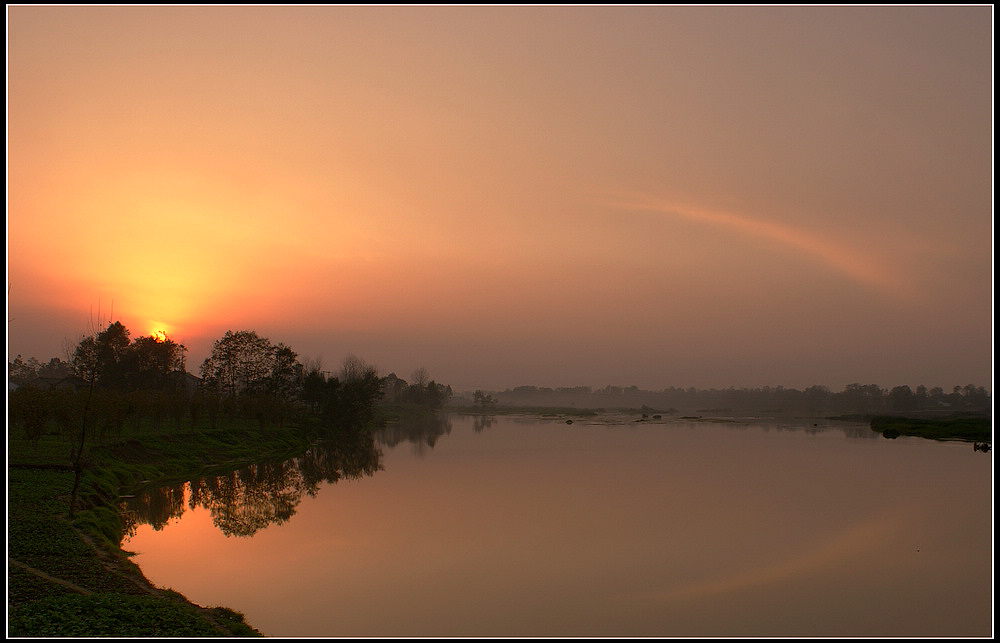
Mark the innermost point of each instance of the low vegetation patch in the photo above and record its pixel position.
(968, 429)
(119, 615)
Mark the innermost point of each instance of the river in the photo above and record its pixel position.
(607, 526)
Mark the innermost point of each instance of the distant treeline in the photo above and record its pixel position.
(855, 399)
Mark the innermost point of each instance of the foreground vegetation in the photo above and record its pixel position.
(67, 576)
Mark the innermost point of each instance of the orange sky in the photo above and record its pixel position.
(557, 196)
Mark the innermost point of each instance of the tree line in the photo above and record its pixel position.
(112, 380)
(855, 398)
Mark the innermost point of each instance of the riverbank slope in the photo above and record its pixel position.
(67, 575)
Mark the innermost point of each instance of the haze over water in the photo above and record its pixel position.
(528, 527)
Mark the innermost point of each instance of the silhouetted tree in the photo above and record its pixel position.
(100, 359)
(153, 363)
(393, 389)
(864, 399)
(425, 391)
(112, 361)
(240, 362)
(902, 399)
(436, 395)
(97, 358)
(483, 401)
(22, 371)
(349, 400)
(419, 377)
(313, 388)
(55, 369)
(286, 373)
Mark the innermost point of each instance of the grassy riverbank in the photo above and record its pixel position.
(67, 576)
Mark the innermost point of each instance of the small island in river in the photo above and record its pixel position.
(967, 429)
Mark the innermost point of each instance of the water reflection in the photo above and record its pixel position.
(608, 527)
(422, 431)
(246, 500)
(482, 422)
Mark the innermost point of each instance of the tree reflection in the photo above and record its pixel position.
(246, 500)
(421, 431)
(154, 507)
(482, 422)
(251, 498)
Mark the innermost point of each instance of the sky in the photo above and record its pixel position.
(647, 196)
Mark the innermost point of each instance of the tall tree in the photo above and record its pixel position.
(241, 362)
(350, 400)
(154, 362)
(96, 360)
(286, 373)
(101, 359)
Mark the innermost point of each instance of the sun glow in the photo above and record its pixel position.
(159, 334)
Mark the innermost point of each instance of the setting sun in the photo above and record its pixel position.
(433, 193)
(159, 335)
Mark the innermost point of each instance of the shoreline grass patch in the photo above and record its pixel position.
(966, 429)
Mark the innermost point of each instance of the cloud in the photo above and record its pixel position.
(850, 261)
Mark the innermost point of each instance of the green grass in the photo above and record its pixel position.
(61, 584)
(120, 615)
(69, 577)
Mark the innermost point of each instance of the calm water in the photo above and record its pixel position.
(606, 527)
